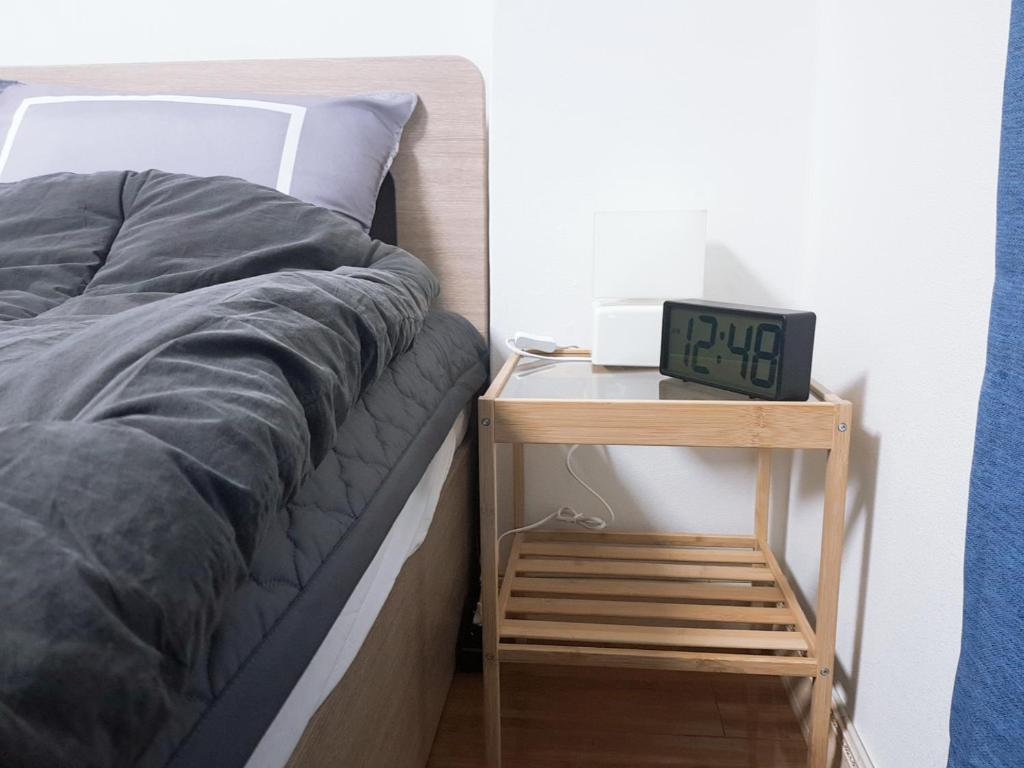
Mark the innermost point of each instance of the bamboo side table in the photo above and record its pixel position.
(663, 601)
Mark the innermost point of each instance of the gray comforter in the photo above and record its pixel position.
(176, 355)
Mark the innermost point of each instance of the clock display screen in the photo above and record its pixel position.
(731, 350)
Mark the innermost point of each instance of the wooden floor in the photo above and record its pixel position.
(562, 717)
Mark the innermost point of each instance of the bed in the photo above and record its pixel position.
(384, 706)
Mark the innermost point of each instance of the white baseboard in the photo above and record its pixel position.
(845, 749)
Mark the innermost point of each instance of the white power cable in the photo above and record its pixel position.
(567, 514)
(595, 494)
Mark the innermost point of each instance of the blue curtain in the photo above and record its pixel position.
(987, 721)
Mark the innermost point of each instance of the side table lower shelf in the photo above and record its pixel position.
(711, 603)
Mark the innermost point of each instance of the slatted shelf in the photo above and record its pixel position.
(709, 602)
(596, 609)
(673, 637)
(640, 570)
(653, 554)
(783, 666)
(640, 590)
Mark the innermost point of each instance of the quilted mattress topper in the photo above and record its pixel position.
(318, 547)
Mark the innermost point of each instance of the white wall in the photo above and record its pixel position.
(76, 32)
(846, 153)
(902, 238)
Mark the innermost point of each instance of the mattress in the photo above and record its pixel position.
(312, 559)
(339, 648)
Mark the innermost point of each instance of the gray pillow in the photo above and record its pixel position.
(330, 152)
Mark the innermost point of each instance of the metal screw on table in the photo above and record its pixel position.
(485, 422)
(825, 671)
(842, 427)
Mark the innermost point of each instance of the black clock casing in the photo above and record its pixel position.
(756, 351)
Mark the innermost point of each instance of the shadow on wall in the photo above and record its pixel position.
(860, 513)
(727, 278)
(864, 451)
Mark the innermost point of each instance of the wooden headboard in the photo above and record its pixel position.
(440, 172)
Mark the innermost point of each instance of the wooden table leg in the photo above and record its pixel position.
(836, 471)
(764, 490)
(489, 584)
(518, 486)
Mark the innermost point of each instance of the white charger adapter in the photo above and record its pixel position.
(533, 342)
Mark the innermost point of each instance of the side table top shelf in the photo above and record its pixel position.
(576, 402)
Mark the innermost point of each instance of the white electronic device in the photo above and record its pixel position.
(627, 333)
(534, 342)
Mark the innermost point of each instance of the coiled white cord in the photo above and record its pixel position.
(566, 514)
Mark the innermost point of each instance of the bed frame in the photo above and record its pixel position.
(385, 710)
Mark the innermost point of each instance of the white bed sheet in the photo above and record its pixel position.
(346, 636)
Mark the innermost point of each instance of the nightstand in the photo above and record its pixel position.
(666, 601)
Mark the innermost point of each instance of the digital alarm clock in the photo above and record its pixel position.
(756, 351)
